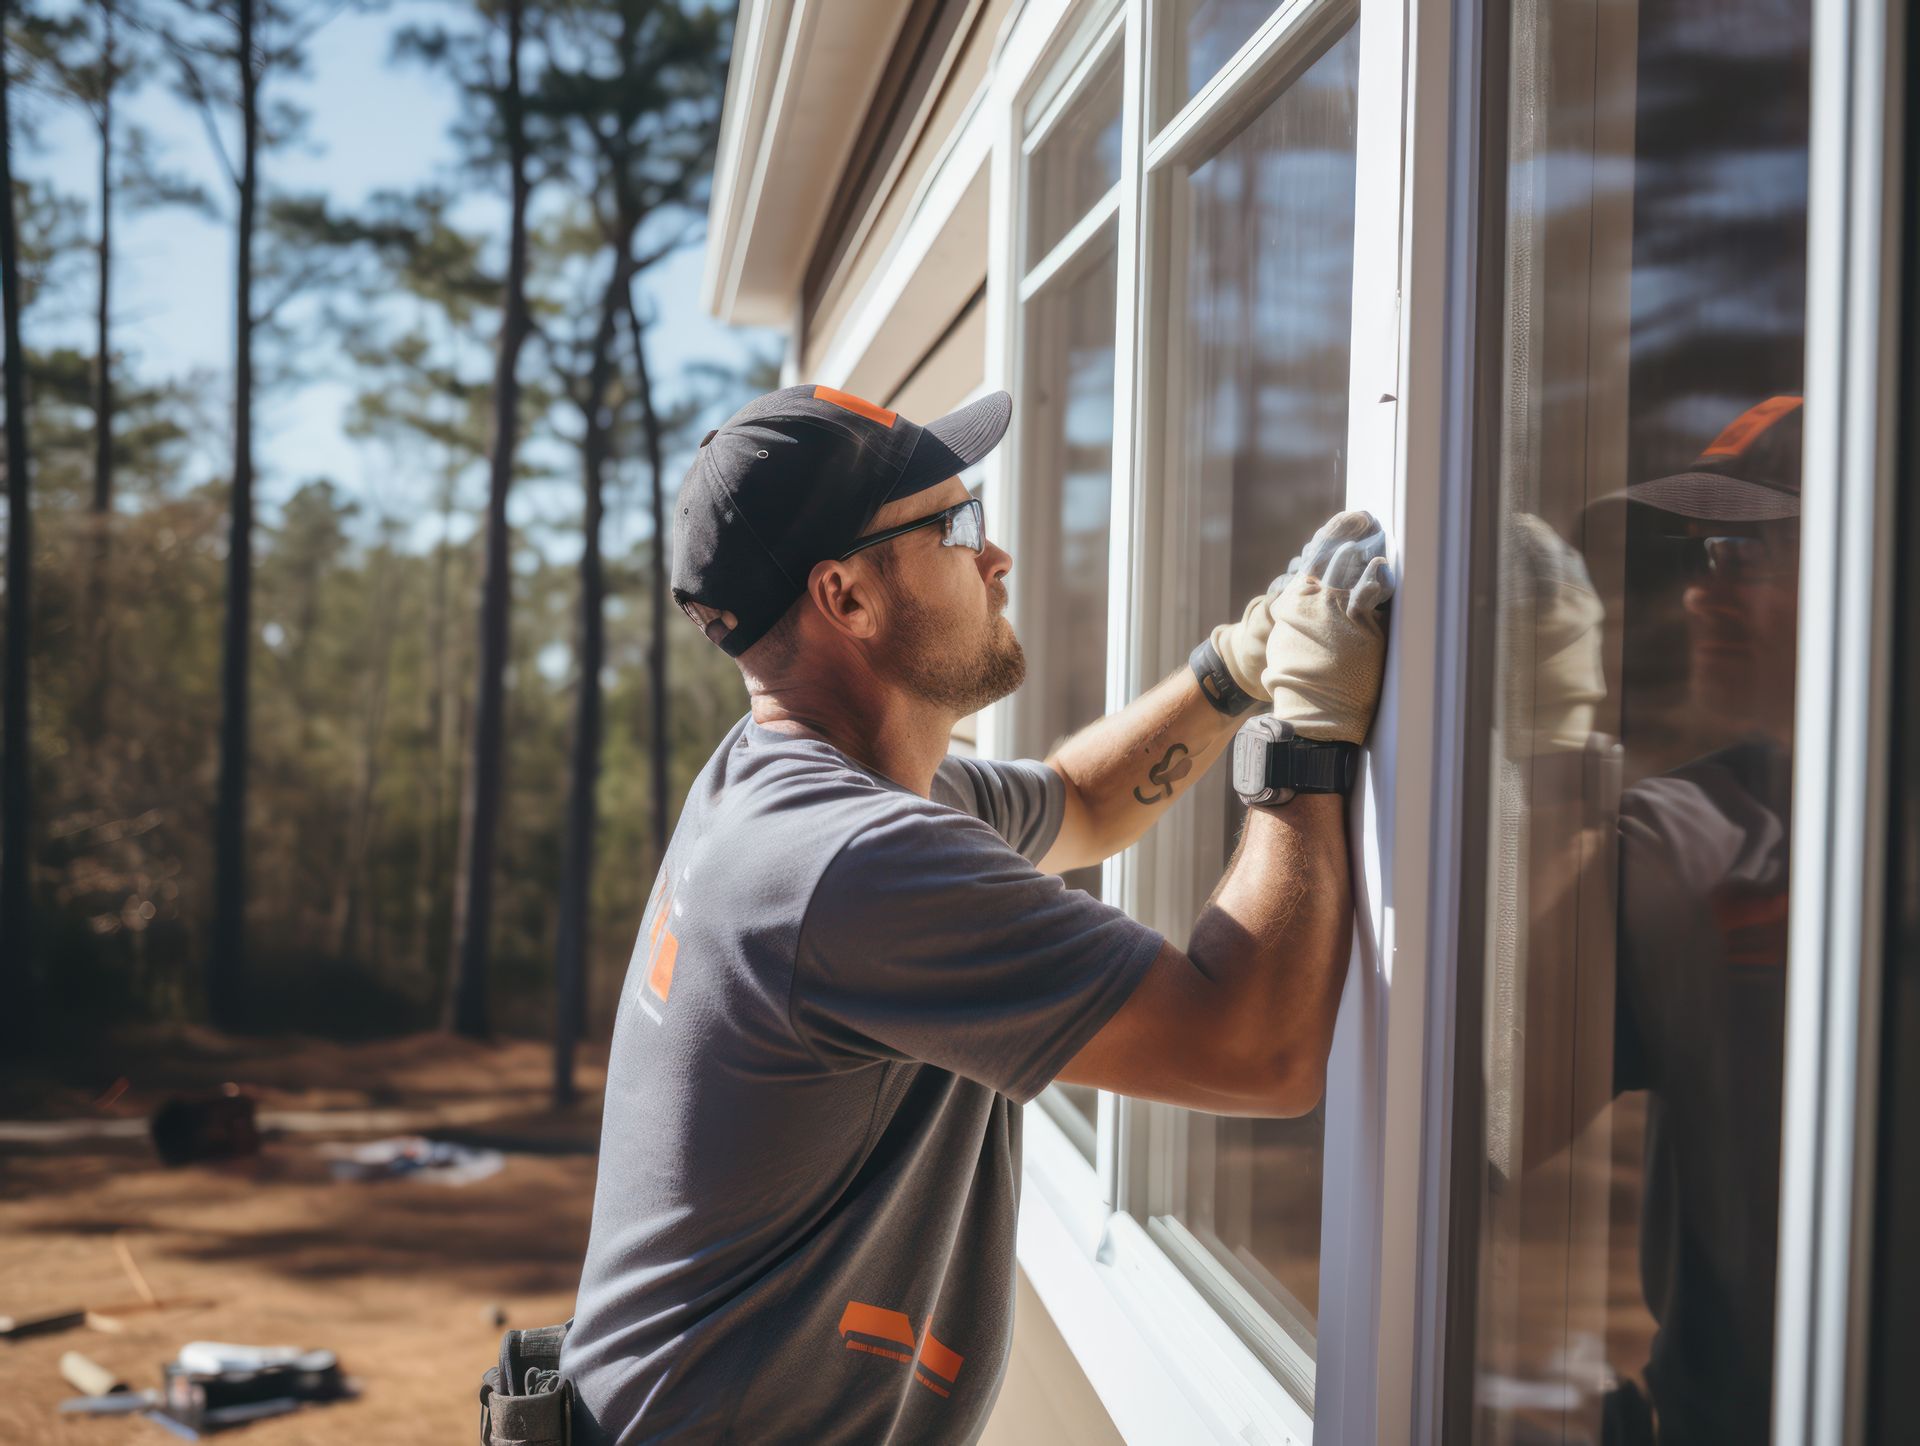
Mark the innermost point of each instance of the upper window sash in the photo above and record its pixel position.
(1289, 40)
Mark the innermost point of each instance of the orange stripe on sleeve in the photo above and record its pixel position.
(872, 1320)
(941, 1360)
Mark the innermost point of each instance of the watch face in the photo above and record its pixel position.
(1249, 762)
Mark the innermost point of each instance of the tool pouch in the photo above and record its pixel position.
(524, 1401)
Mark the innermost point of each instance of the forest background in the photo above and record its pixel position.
(340, 697)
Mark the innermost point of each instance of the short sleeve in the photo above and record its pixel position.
(928, 938)
(1022, 800)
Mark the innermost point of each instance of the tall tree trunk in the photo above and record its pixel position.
(350, 901)
(98, 612)
(230, 816)
(16, 901)
(438, 720)
(576, 877)
(473, 895)
(657, 648)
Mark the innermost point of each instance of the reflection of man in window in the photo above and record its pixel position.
(1711, 578)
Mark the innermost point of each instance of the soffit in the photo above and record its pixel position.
(802, 76)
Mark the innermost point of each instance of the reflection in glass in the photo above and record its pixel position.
(1635, 939)
(1205, 34)
(1078, 162)
(1069, 472)
(1266, 300)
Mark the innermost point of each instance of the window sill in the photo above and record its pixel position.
(1165, 1365)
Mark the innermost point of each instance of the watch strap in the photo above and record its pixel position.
(1216, 683)
(1310, 766)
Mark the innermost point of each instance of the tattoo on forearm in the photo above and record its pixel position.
(1167, 772)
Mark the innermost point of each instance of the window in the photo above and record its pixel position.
(1200, 37)
(1067, 378)
(1632, 963)
(1258, 274)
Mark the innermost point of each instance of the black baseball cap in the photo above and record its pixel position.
(792, 479)
(1749, 473)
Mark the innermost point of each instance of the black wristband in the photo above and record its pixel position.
(1216, 683)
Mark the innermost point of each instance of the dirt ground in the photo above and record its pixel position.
(401, 1278)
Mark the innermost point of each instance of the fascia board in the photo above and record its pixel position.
(758, 38)
(804, 73)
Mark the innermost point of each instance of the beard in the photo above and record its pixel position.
(953, 663)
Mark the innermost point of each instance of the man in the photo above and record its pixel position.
(1701, 1013)
(1709, 612)
(859, 960)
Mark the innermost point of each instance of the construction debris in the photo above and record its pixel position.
(14, 1327)
(187, 1130)
(119, 1403)
(89, 1377)
(211, 1383)
(439, 1161)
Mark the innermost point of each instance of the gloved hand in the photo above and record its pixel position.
(1328, 645)
(1554, 677)
(1242, 646)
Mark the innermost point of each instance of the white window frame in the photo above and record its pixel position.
(1166, 1363)
(1836, 951)
(1083, 38)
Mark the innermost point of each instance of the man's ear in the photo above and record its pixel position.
(847, 596)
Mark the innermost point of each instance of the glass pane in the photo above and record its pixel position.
(1263, 313)
(1062, 567)
(1078, 162)
(1634, 958)
(1204, 35)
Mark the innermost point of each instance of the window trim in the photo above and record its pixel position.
(1837, 894)
(1081, 43)
(1166, 895)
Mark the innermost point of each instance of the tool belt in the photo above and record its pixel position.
(525, 1401)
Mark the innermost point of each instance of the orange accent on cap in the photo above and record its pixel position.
(872, 1320)
(1749, 424)
(856, 405)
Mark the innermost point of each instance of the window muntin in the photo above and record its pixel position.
(1633, 964)
(1201, 37)
(1260, 240)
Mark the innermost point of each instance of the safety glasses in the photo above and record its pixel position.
(965, 525)
(1770, 556)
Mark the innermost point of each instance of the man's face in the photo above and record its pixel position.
(1741, 612)
(947, 639)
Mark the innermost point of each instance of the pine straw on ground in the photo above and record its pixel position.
(401, 1278)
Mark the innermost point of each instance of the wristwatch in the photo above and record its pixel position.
(1271, 763)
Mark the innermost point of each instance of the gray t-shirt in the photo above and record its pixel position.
(809, 1181)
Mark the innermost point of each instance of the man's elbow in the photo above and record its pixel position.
(1297, 1085)
(1276, 1078)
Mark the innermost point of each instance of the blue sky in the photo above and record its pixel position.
(372, 126)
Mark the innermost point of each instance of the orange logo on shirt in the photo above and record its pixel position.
(666, 948)
(882, 1332)
(661, 946)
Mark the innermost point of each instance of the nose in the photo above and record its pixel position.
(995, 562)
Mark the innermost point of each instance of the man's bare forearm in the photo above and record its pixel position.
(1128, 767)
(1275, 937)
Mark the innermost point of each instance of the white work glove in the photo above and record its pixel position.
(1554, 675)
(1328, 646)
(1242, 646)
